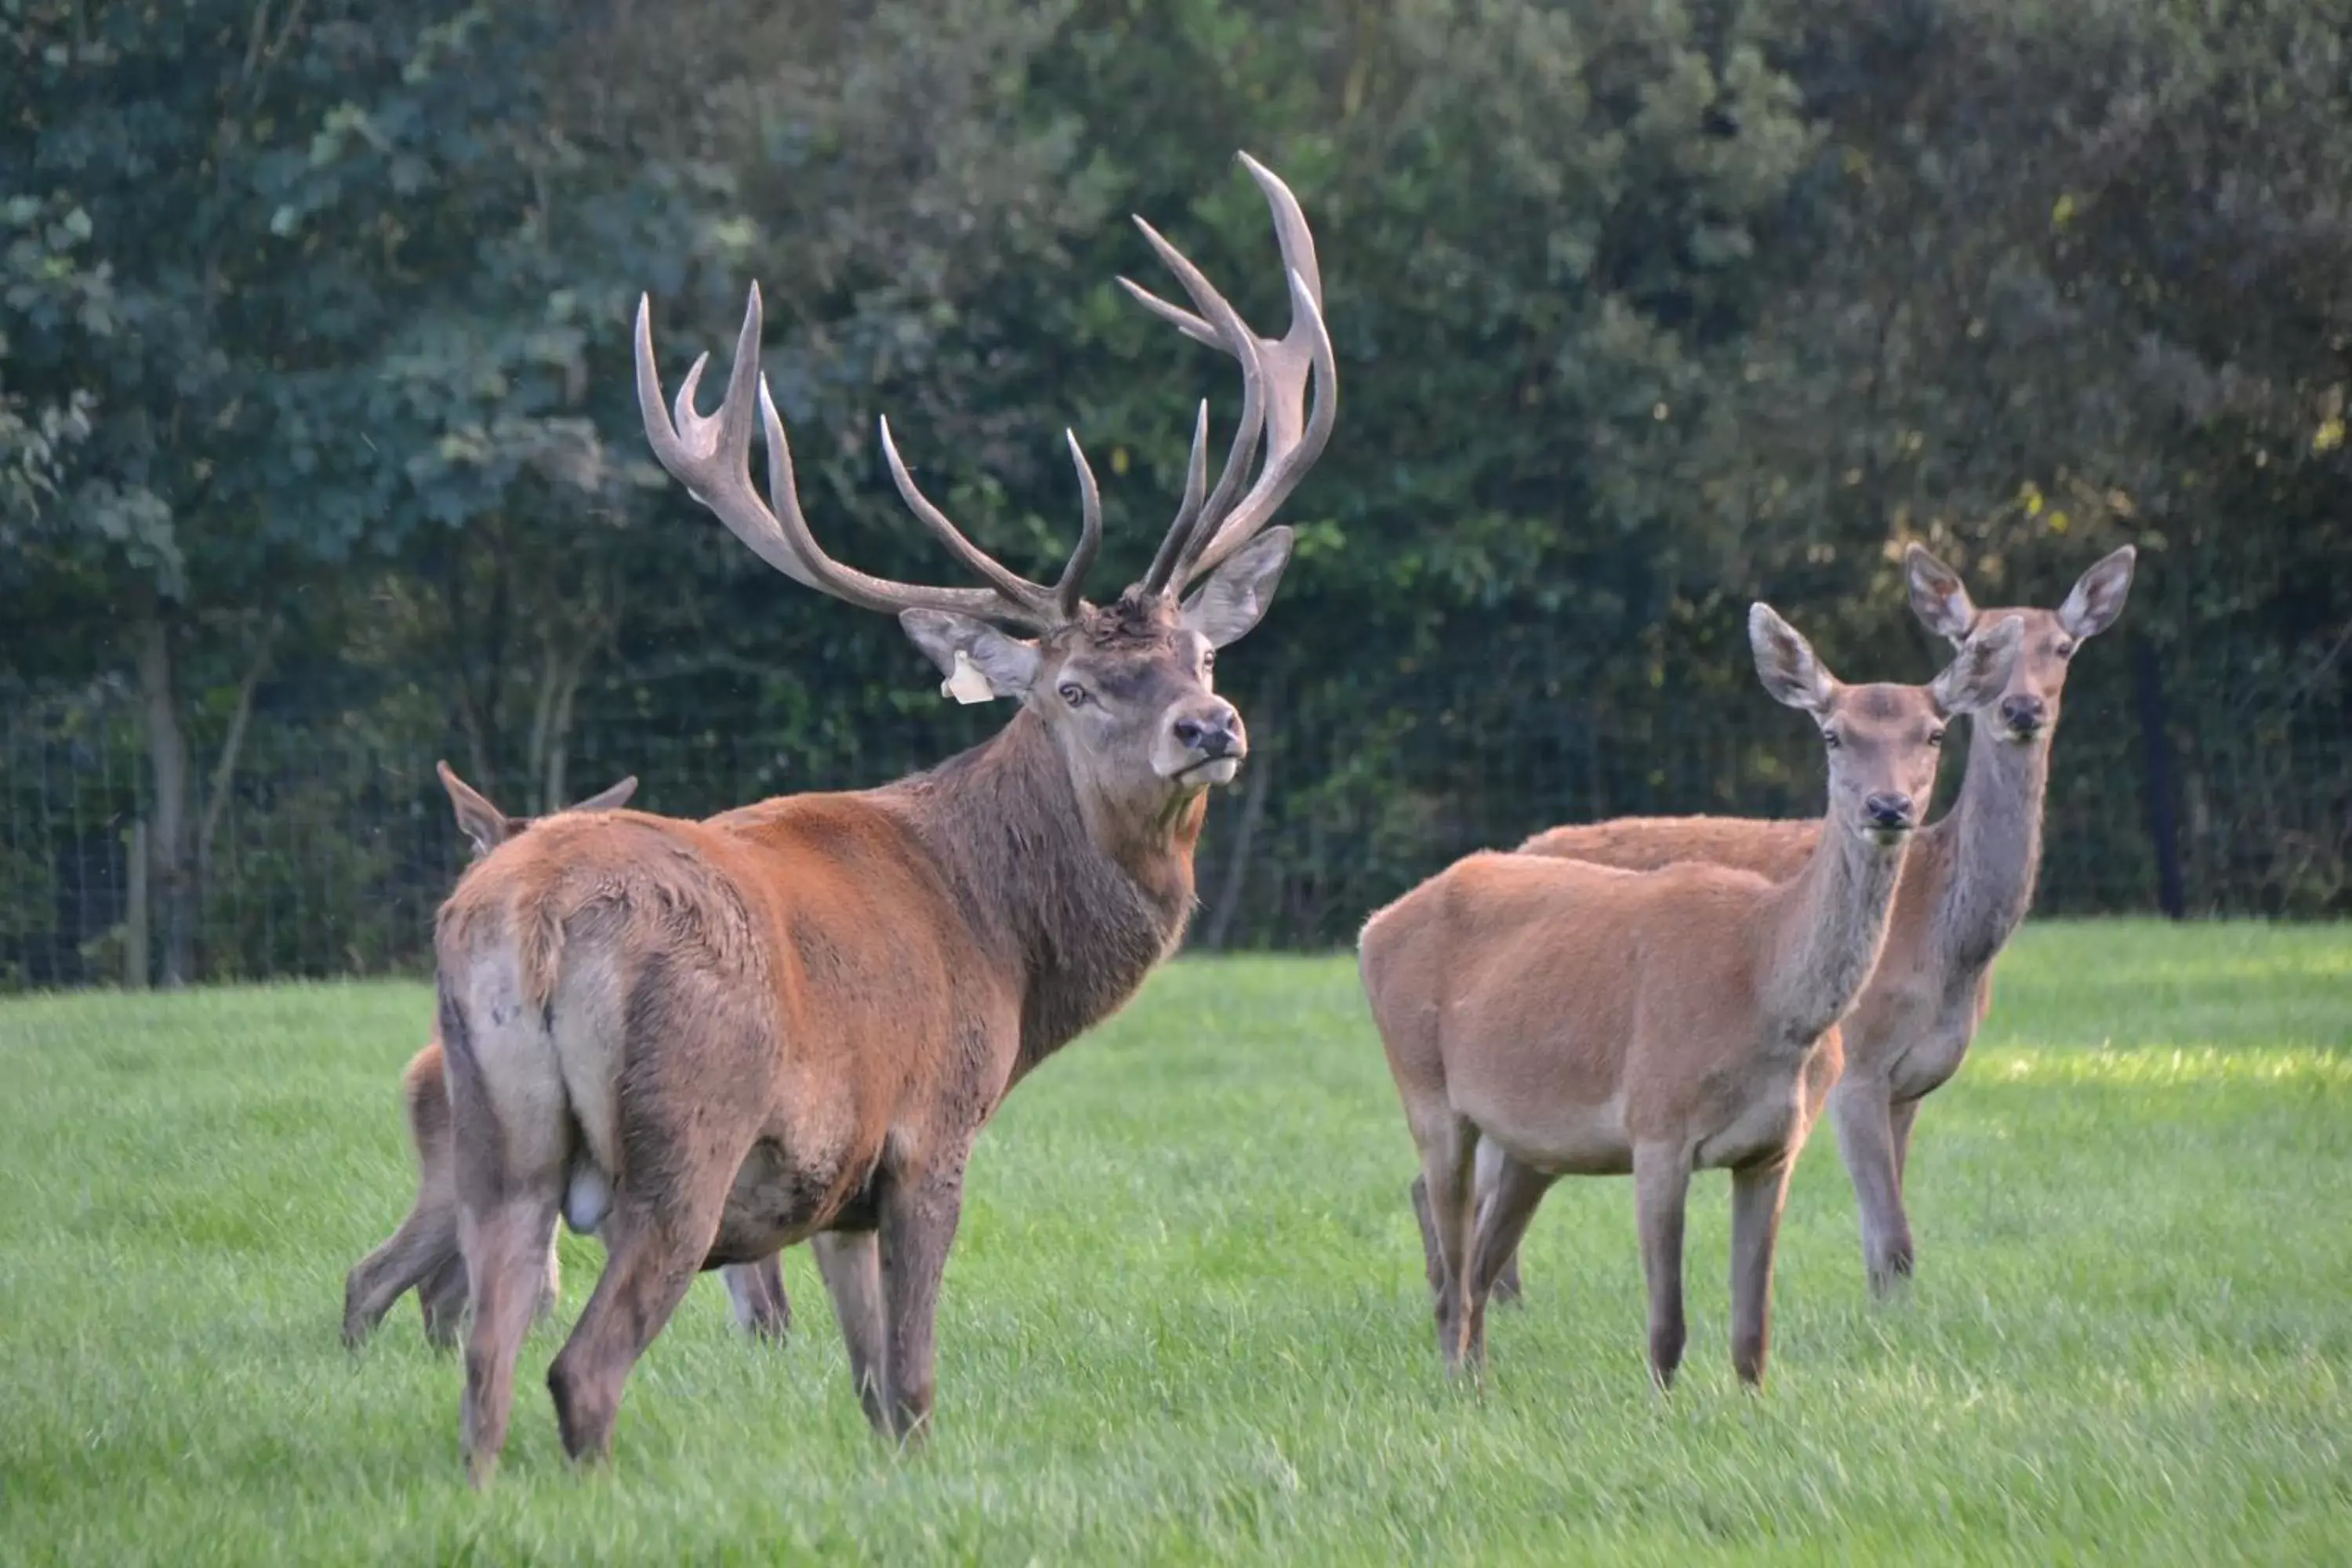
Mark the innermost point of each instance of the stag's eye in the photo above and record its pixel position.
(2065, 649)
(1074, 694)
(1935, 737)
(1829, 739)
(1208, 659)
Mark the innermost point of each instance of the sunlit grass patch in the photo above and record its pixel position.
(1184, 1320)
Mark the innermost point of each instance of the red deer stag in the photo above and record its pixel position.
(1588, 1021)
(1965, 891)
(709, 1040)
(421, 1254)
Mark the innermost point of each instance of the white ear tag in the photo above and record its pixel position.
(967, 685)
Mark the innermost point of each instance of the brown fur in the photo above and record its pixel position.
(423, 1253)
(1585, 1020)
(1966, 887)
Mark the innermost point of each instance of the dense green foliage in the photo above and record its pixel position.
(316, 431)
(1185, 1322)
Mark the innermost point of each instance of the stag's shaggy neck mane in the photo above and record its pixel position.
(1826, 928)
(1989, 846)
(1081, 905)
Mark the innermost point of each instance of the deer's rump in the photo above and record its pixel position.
(598, 977)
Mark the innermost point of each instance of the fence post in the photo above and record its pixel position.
(134, 912)
(2163, 811)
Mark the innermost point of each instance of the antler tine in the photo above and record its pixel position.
(1005, 580)
(1292, 452)
(1295, 435)
(712, 456)
(1069, 589)
(1232, 334)
(1196, 491)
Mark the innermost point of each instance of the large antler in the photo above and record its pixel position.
(1209, 529)
(712, 456)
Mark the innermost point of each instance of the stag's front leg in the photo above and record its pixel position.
(1661, 1174)
(919, 1213)
(757, 1293)
(851, 1263)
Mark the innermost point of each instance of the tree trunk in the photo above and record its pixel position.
(225, 765)
(169, 882)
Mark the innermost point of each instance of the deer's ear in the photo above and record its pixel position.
(1786, 662)
(1938, 597)
(609, 799)
(478, 819)
(1975, 679)
(1008, 665)
(2098, 595)
(1236, 595)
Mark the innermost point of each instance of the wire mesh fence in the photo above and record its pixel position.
(332, 843)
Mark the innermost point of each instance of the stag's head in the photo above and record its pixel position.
(1125, 688)
(2028, 710)
(1883, 741)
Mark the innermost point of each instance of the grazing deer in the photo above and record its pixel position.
(1588, 1021)
(1965, 891)
(423, 1255)
(704, 1041)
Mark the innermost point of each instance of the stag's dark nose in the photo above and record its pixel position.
(2023, 714)
(1888, 811)
(1216, 733)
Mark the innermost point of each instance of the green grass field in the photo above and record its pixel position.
(1185, 1318)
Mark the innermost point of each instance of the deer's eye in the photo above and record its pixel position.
(1935, 737)
(1074, 694)
(2065, 649)
(1829, 739)
(1208, 659)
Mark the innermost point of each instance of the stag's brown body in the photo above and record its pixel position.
(1583, 1020)
(705, 1040)
(423, 1254)
(1965, 889)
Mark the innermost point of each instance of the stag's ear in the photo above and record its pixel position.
(1937, 596)
(1786, 662)
(1237, 593)
(1006, 664)
(1975, 679)
(610, 799)
(478, 819)
(2098, 595)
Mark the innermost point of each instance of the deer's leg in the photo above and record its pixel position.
(1900, 1118)
(550, 1290)
(1506, 1286)
(502, 1239)
(442, 1297)
(1448, 1150)
(655, 1243)
(757, 1291)
(1862, 1110)
(1432, 1262)
(1507, 1206)
(920, 1211)
(1662, 1174)
(426, 1243)
(1758, 1193)
(851, 1263)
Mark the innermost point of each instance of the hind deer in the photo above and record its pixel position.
(1965, 891)
(421, 1254)
(1583, 1020)
(704, 1041)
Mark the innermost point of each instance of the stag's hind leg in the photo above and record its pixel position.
(1449, 1145)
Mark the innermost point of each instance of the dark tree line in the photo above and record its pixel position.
(317, 437)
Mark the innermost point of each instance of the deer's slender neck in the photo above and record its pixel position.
(1081, 905)
(1829, 922)
(1992, 847)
